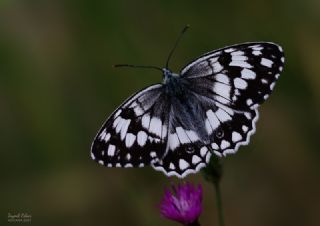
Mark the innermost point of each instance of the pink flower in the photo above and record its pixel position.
(183, 204)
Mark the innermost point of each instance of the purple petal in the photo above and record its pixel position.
(184, 205)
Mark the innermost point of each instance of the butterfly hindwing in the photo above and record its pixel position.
(186, 150)
(217, 129)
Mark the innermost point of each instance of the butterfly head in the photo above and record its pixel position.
(168, 75)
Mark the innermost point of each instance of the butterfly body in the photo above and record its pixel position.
(210, 107)
(172, 84)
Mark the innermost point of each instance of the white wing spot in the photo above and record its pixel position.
(208, 157)
(213, 120)
(229, 50)
(222, 89)
(222, 115)
(257, 47)
(236, 136)
(264, 81)
(265, 96)
(240, 64)
(217, 67)
(173, 141)
(116, 121)
(255, 106)
(272, 85)
(120, 124)
(111, 150)
(107, 137)
(240, 83)
(117, 113)
(103, 134)
(239, 58)
(133, 104)
(155, 126)
(208, 126)
(171, 166)
(237, 53)
(130, 138)
(256, 52)
(142, 138)
(195, 159)
(222, 78)
(138, 110)
(213, 60)
(248, 74)
(92, 156)
(248, 115)
(203, 151)
(183, 164)
(266, 62)
(192, 135)
(164, 131)
(146, 121)
(182, 135)
(249, 102)
(128, 165)
(101, 162)
(225, 108)
(222, 100)
(214, 146)
(224, 144)
(124, 129)
(245, 128)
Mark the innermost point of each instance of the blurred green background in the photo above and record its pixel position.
(57, 86)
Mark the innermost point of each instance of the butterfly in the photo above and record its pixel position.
(209, 107)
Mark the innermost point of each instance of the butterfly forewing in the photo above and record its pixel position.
(241, 76)
(134, 135)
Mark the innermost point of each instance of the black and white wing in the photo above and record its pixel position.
(217, 113)
(242, 75)
(225, 88)
(135, 134)
(237, 79)
(187, 146)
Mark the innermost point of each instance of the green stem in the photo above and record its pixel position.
(219, 203)
(213, 173)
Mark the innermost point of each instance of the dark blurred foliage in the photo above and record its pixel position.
(57, 86)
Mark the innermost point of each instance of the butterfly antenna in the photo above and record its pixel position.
(176, 44)
(137, 66)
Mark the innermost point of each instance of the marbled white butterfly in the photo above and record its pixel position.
(210, 107)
